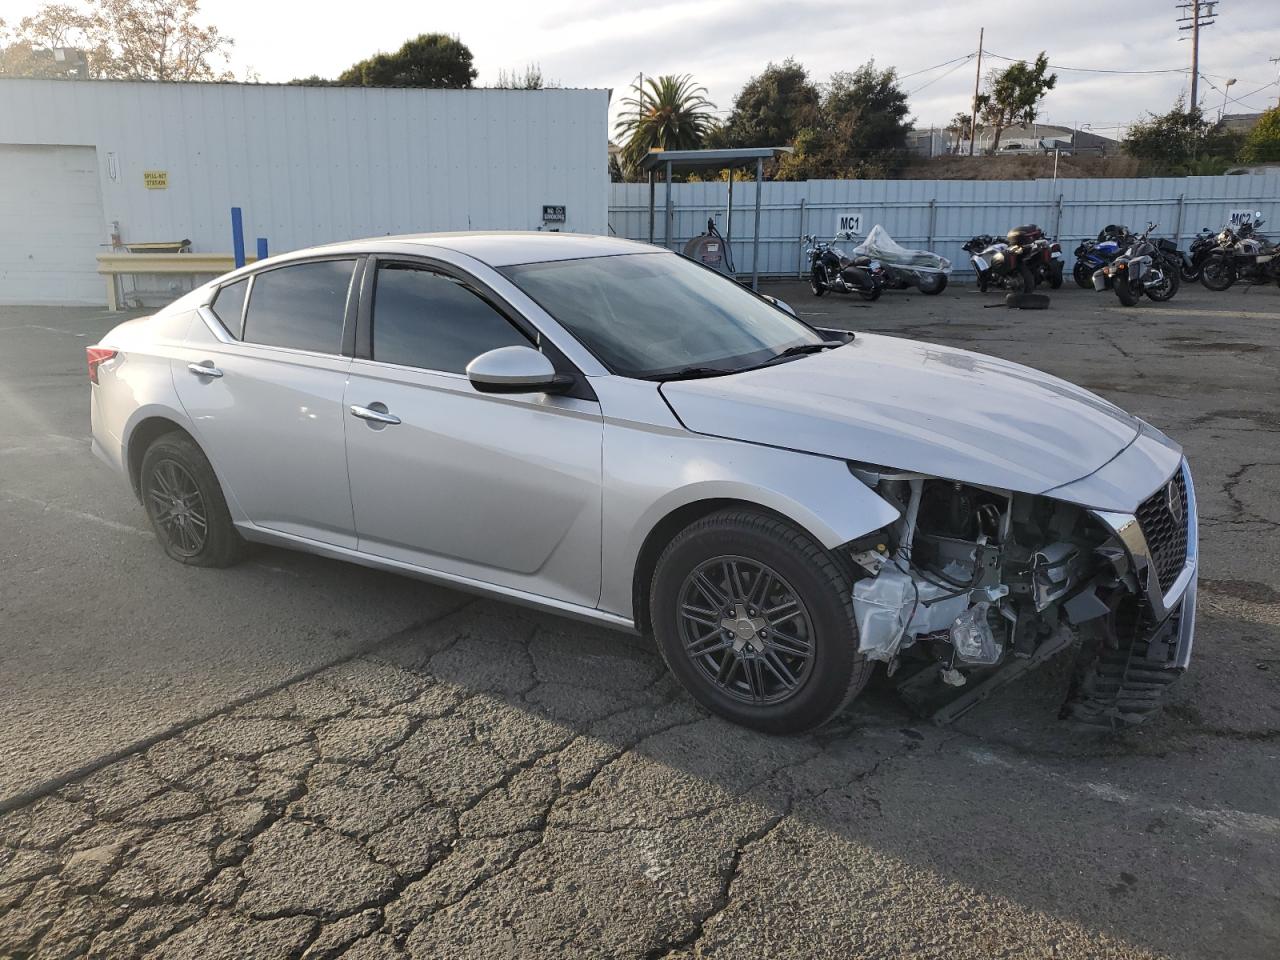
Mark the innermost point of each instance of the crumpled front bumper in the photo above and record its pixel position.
(1179, 601)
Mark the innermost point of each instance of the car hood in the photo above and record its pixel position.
(915, 406)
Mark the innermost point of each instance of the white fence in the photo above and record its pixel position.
(939, 215)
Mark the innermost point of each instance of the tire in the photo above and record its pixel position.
(1188, 273)
(982, 283)
(873, 294)
(933, 284)
(1055, 276)
(175, 465)
(1218, 273)
(1027, 301)
(1082, 275)
(1023, 280)
(1169, 289)
(816, 285)
(690, 597)
(1124, 291)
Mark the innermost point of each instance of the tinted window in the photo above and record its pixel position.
(300, 306)
(228, 305)
(425, 319)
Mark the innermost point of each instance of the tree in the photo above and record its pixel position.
(961, 129)
(860, 131)
(121, 40)
(1181, 143)
(1262, 145)
(667, 113)
(528, 79)
(427, 60)
(771, 108)
(1013, 94)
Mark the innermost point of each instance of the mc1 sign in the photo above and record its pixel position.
(850, 221)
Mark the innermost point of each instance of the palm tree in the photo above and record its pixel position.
(667, 113)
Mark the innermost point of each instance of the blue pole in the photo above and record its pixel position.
(237, 236)
(262, 248)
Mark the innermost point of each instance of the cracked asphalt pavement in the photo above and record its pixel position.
(300, 758)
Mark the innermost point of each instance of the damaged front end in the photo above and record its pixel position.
(974, 586)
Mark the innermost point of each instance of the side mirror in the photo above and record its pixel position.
(780, 304)
(515, 370)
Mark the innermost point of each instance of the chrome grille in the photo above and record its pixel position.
(1163, 518)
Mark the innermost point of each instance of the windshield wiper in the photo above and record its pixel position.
(693, 373)
(803, 348)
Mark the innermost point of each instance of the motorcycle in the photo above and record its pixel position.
(1042, 255)
(904, 268)
(1243, 255)
(830, 270)
(999, 264)
(1145, 267)
(1093, 255)
(1204, 243)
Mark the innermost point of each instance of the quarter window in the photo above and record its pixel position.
(302, 306)
(426, 319)
(228, 306)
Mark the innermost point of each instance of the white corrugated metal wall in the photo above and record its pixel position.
(937, 214)
(315, 164)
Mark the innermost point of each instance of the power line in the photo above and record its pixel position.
(941, 76)
(1058, 66)
(967, 56)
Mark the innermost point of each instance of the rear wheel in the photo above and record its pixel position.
(1218, 273)
(1055, 275)
(755, 620)
(871, 294)
(185, 504)
(1124, 290)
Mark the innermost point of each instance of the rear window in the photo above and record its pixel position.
(301, 306)
(228, 306)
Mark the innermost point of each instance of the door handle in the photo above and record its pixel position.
(206, 369)
(373, 414)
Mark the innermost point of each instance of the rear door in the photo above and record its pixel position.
(503, 489)
(263, 386)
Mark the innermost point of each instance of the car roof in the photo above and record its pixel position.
(500, 248)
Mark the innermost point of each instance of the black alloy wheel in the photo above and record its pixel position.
(185, 505)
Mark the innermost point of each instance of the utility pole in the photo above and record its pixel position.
(1197, 14)
(977, 80)
(1276, 61)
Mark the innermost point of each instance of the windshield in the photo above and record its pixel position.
(653, 315)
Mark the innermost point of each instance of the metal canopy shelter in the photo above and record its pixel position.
(687, 161)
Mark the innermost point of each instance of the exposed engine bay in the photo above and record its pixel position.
(973, 586)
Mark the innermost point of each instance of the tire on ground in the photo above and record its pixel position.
(223, 544)
(1027, 301)
(839, 671)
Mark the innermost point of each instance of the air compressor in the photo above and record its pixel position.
(711, 250)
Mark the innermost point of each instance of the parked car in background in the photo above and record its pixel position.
(613, 432)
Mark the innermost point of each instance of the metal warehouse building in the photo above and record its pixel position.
(153, 162)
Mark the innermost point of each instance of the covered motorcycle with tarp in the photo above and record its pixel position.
(903, 267)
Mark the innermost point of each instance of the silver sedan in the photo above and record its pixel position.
(613, 432)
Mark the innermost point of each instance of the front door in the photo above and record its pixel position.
(500, 489)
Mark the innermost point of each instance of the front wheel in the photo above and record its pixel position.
(1055, 275)
(755, 620)
(933, 284)
(1167, 288)
(1218, 273)
(185, 504)
(1022, 280)
(1188, 272)
(873, 293)
(1082, 273)
(1124, 290)
(816, 284)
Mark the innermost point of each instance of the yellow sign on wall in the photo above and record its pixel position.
(156, 179)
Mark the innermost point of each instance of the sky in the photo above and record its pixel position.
(722, 43)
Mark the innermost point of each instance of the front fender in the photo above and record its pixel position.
(649, 473)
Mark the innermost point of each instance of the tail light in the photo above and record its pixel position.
(97, 356)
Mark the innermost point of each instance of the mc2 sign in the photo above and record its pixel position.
(849, 221)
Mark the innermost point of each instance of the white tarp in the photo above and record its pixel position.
(884, 248)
